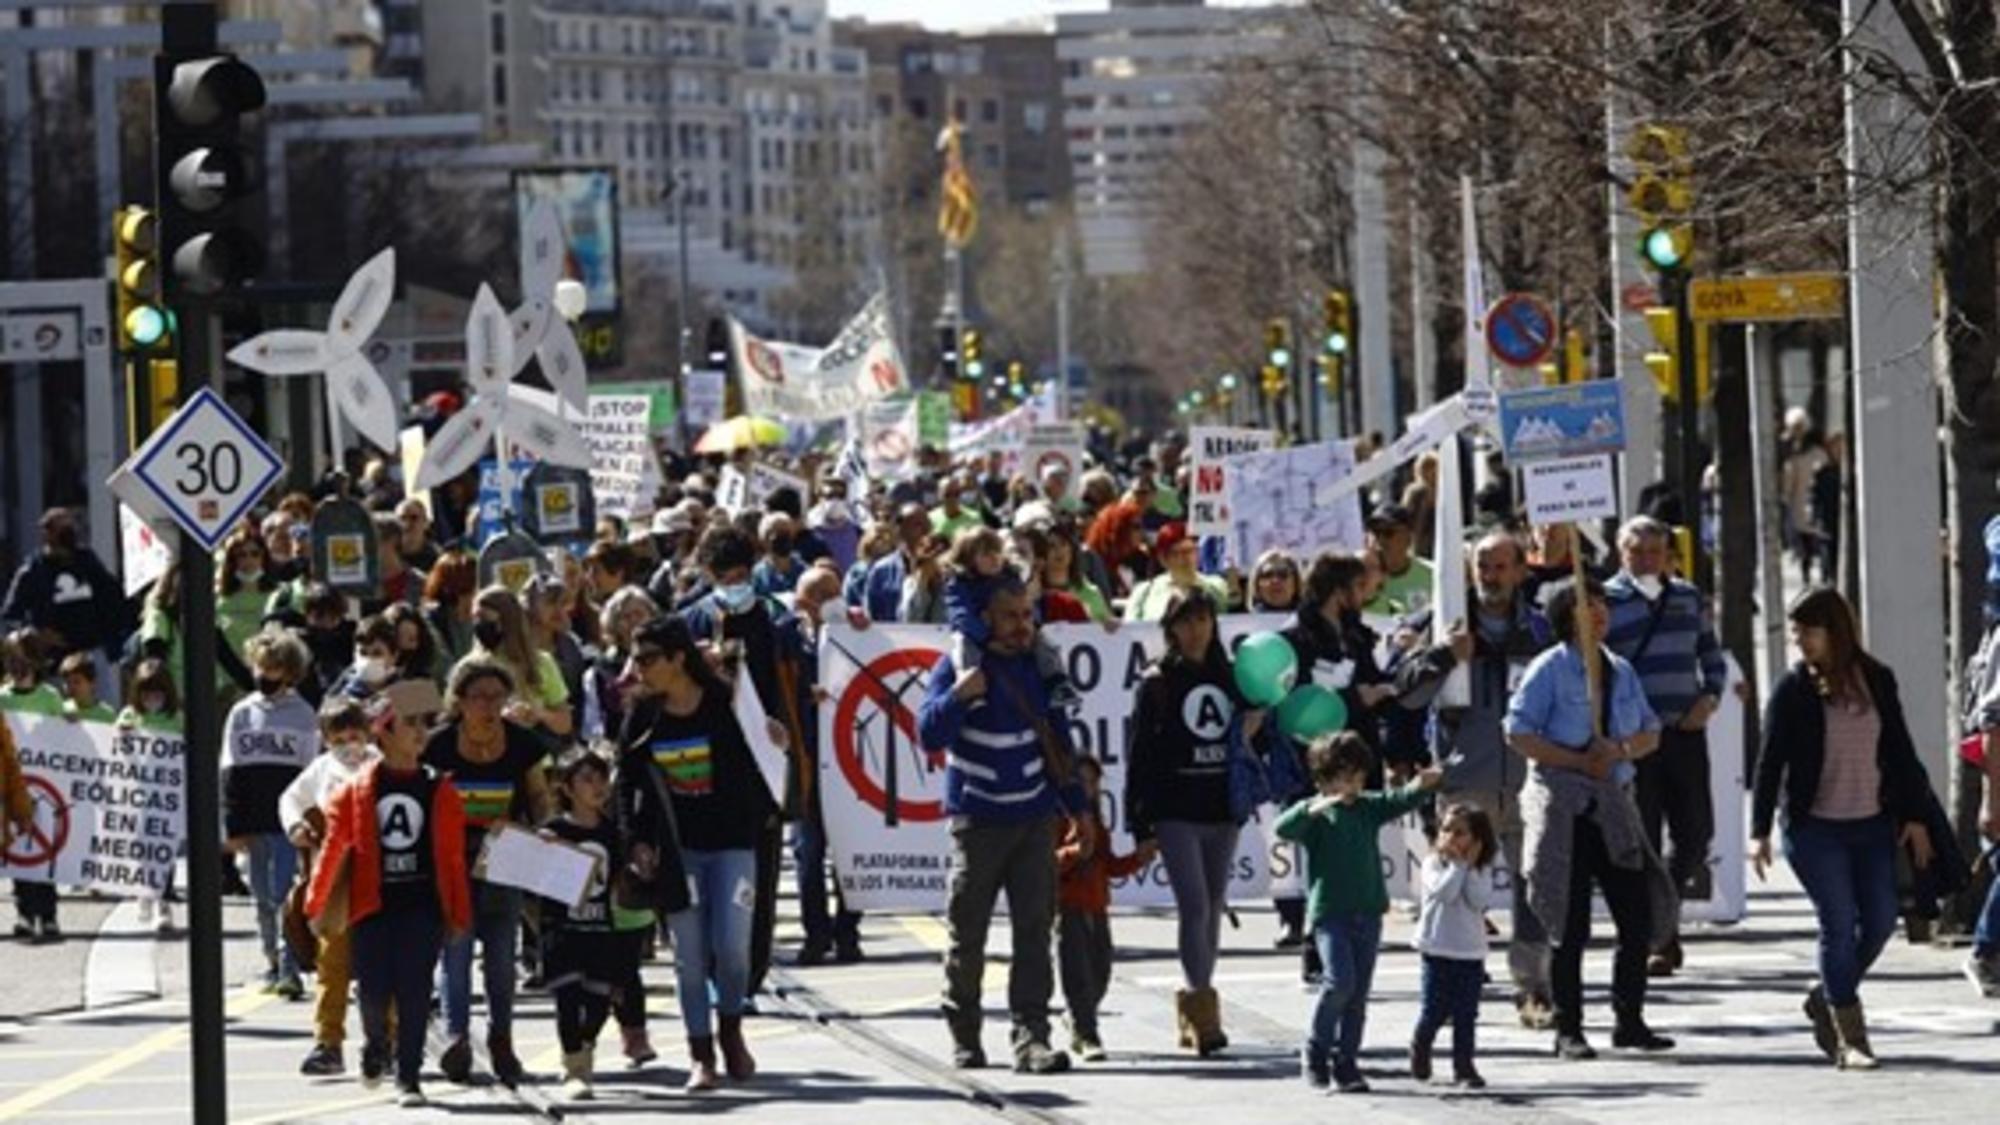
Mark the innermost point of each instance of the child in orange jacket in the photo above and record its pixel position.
(395, 848)
(1083, 924)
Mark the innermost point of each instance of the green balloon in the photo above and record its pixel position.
(1266, 668)
(1310, 711)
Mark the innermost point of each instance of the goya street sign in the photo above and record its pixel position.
(1521, 330)
(1782, 296)
(205, 468)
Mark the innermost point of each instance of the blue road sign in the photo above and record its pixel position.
(1521, 330)
(1568, 421)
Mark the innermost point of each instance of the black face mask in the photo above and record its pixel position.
(487, 633)
(781, 544)
(270, 685)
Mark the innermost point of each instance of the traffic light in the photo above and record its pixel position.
(1017, 379)
(1662, 196)
(1665, 364)
(1339, 316)
(716, 344)
(1277, 343)
(1576, 357)
(143, 324)
(206, 246)
(1273, 380)
(948, 351)
(970, 349)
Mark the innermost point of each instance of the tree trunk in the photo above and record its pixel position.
(1735, 561)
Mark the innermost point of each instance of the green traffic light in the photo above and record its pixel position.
(1661, 249)
(1281, 357)
(145, 325)
(974, 369)
(1336, 343)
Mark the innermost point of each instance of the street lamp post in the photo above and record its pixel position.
(676, 195)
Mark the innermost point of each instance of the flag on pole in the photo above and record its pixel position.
(958, 200)
(1478, 365)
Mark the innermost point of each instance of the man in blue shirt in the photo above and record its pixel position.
(1008, 788)
(883, 588)
(1657, 624)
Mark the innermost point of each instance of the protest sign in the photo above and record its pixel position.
(933, 418)
(410, 444)
(1003, 435)
(1209, 448)
(624, 473)
(890, 435)
(108, 805)
(144, 553)
(706, 393)
(732, 491)
(799, 383)
(765, 480)
(492, 515)
(513, 856)
(872, 762)
(1053, 444)
(751, 716)
(1570, 489)
(1282, 499)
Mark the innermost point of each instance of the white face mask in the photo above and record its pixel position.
(373, 669)
(1648, 585)
(350, 753)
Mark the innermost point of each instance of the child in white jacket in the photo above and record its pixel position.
(1451, 935)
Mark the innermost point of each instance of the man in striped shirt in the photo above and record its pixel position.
(1008, 790)
(1658, 624)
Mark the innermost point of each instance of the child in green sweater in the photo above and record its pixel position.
(1346, 897)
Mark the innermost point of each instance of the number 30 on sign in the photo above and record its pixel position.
(205, 468)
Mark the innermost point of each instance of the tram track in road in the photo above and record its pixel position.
(851, 1030)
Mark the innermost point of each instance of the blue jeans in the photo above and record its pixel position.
(496, 926)
(1347, 944)
(1849, 871)
(1986, 936)
(274, 863)
(1450, 992)
(712, 937)
(843, 928)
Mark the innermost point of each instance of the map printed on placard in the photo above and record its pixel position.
(355, 390)
(1286, 499)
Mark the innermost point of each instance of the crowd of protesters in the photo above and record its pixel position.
(373, 745)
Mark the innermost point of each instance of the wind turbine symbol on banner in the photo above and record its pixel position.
(355, 390)
(540, 330)
(494, 414)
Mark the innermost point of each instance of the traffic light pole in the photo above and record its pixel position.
(1674, 288)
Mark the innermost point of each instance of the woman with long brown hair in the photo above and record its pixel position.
(1838, 753)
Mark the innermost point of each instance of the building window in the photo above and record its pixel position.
(590, 33)
(919, 108)
(499, 85)
(1035, 117)
(631, 141)
(989, 111)
(958, 109)
(989, 155)
(596, 83)
(597, 138)
(499, 33)
(722, 147)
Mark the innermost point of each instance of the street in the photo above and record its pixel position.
(866, 1039)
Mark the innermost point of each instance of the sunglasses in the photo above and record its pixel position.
(647, 657)
(485, 696)
(1273, 575)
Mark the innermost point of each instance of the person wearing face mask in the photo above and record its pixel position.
(65, 592)
(302, 810)
(836, 523)
(747, 629)
(243, 585)
(374, 666)
(329, 640)
(836, 933)
(777, 573)
(1659, 625)
(269, 738)
(957, 510)
(548, 605)
(500, 632)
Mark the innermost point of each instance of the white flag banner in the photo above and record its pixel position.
(797, 383)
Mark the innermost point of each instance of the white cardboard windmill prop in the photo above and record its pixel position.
(539, 329)
(494, 415)
(354, 389)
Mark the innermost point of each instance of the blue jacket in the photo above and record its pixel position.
(882, 590)
(994, 768)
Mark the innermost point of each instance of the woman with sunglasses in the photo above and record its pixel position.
(1274, 583)
(496, 767)
(688, 786)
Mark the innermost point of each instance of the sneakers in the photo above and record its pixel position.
(24, 930)
(456, 1062)
(1984, 973)
(812, 954)
(965, 1057)
(374, 1064)
(1535, 1011)
(1466, 1078)
(848, 953)
(1289, 938)
(49, 933)
(1420, 1061)
(410, 1096)
(1036, 1057)
(290, 987)
(1347, 1079)
(1087, 1047)
(506, 1067)
(1574, 1048)
(323, 1062)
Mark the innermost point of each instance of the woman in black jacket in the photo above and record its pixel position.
(1177, 794)
(1838, 752)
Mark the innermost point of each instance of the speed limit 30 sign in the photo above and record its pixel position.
(206, 468)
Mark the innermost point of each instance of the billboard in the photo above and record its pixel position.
(586, 200)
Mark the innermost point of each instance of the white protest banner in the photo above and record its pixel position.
(799, 383)
(1003, 435)
(624, 474)
(751, 716)
(1053, 443)
(410, 444)
(706, 392)
(1570, 489)
(144, 554)
(1208, 499)
(872, 761)
(732, 492)
(765, 480)
(1283, 499)
(890, 435)
(108, 805)
(513, 856)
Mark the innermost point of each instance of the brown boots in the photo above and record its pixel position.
(1852, 1027)
(736, 1058)
(701, 1064)
(1198, 1013)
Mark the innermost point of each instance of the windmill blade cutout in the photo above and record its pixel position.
(354, 389)
(459, 443)
(538, 330)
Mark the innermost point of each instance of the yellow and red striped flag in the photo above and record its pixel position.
(958, 200)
